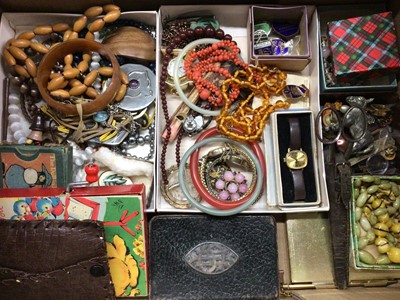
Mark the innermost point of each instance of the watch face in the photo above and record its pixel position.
(296, 159)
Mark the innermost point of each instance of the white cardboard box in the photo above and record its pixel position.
(14, 23)
(234, 20)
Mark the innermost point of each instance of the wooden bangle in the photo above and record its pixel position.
(58, 53)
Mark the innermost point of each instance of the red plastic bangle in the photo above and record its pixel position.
(198, 184)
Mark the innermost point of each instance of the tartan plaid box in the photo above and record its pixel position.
(363, 47)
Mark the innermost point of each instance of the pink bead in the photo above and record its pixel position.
(224, 195)
(220, 184)
(239, 177)
(232, 188)
(243, 188)
(235, 196)
(228, 176)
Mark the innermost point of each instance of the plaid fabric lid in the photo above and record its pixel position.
(364, 44)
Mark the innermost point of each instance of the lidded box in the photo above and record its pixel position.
(364, 47)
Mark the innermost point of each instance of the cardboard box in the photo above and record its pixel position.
(121, 209)
(385, 82)
(310, 172)
(364, 47)
(297, 15)
(233, 20)
(14, 23)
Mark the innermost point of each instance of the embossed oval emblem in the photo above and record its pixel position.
(211, 258)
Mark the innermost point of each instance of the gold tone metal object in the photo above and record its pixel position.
(296, 159)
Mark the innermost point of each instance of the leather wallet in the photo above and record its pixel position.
(53, 259)
(204, 257)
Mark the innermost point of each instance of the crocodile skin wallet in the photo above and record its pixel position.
(204, 257)
(52, 259)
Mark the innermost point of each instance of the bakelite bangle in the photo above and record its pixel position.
(198, 184)
(215, 211)
(178, 88)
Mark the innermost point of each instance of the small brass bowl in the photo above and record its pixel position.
(57, 53)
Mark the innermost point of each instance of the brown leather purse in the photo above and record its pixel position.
(53, 259)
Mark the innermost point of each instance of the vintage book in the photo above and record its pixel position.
(120, 208)
(25, 166)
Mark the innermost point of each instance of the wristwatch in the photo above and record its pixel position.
(296, 159)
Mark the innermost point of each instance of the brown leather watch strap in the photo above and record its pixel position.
(298, 185)
(295, 133)
(295, 144)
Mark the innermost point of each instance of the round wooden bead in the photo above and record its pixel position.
(71, 73)
(90, 78)
(121, 93)
(66, 35)
(110, 7)
(106, 71)
(91, 92)
(73, 35)
(78, 90)
(83, 66)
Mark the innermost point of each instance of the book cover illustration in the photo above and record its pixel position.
(125, 237)
(124, 227)
(31, 166)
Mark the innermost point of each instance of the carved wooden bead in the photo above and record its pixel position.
(55, 84)
(17, 53)
(112, 16)
(43, 29)
(74, 82)
(124, 77)
(90, 78)
(91, 92)
(21, 43)
(27, 35)
(74, 35)
(78, 90)
(22, 71)
(66, 35)
(54, 75)
(67, 67)
(60, 93)
(83, 66)
(60, 27)
(71, 73)
(86, 57)
(68, 59)
(80, 24)
(93, 11)
(121, 93)
(10, 60)
(106, 71)
(38, 47)
(31, 67)
(89, 36)
(97, 25)
(110, 7)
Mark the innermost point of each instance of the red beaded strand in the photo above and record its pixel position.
(179, 41)
(206, 60)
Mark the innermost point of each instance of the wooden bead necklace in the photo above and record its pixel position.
(204, 61)
(250, 122)
(183, 38)
(15, 54)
